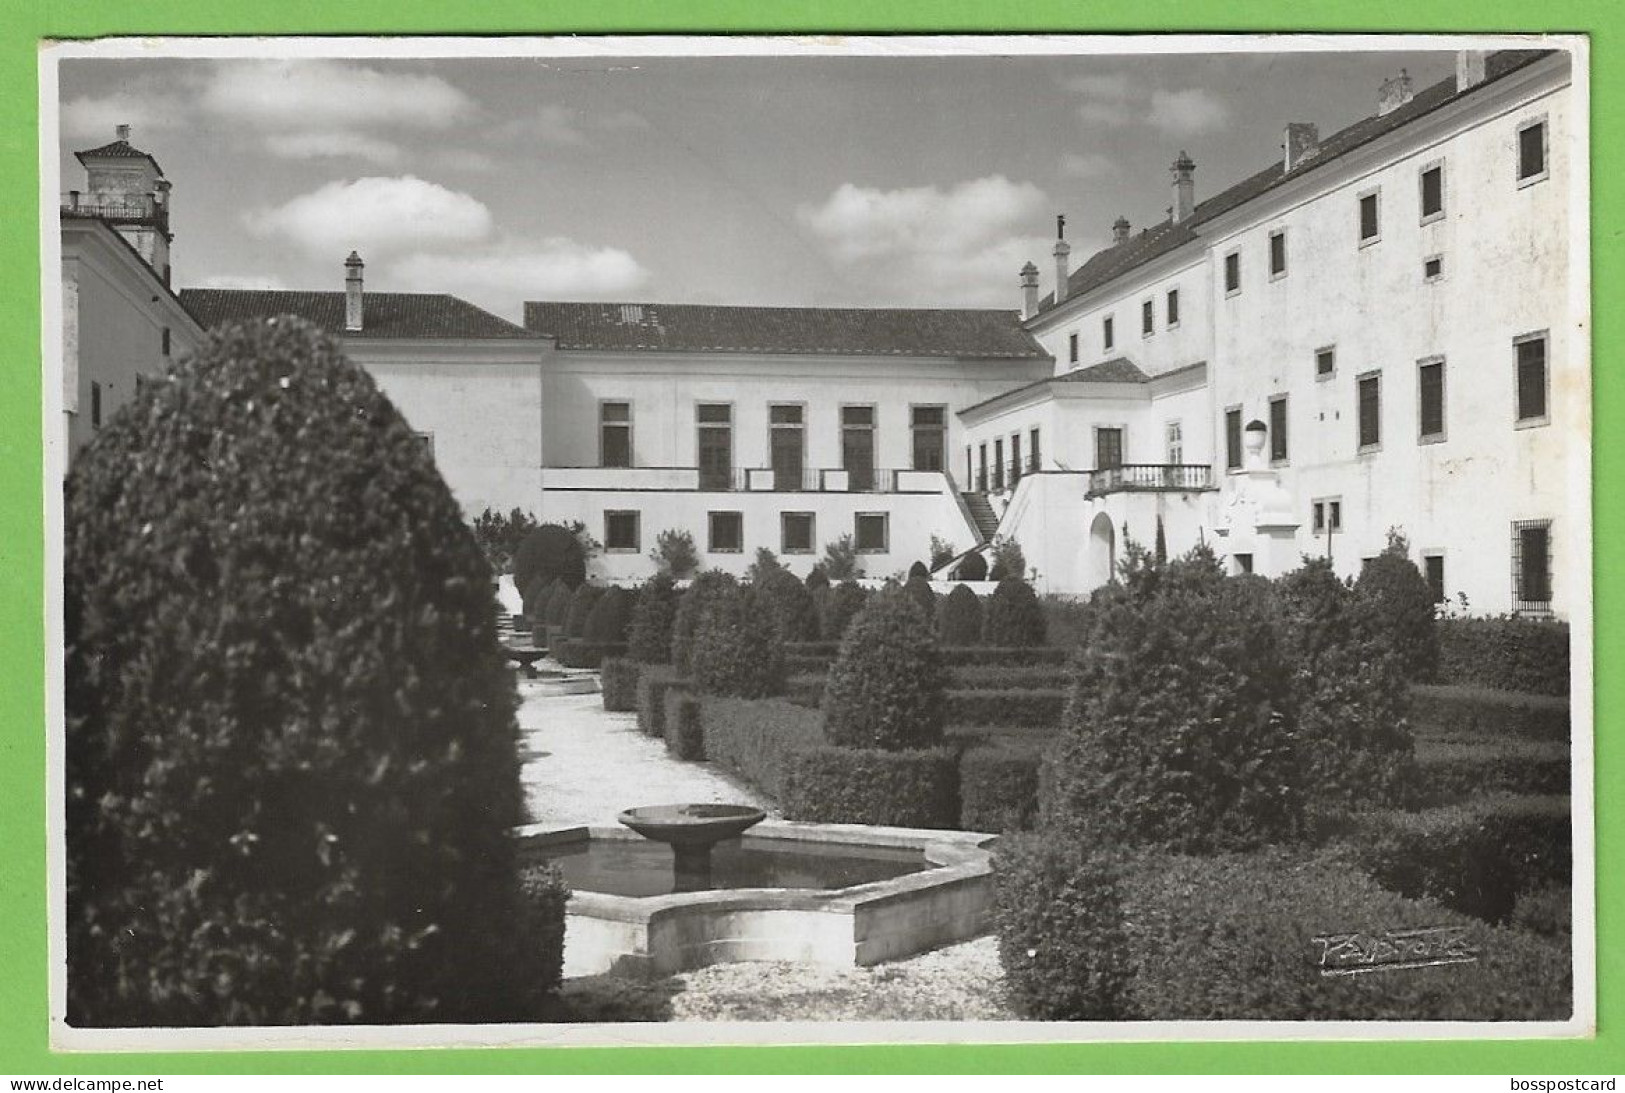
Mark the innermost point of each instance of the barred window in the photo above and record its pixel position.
(1532, 566)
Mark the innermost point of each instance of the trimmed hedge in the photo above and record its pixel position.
(790, 605)
(579, 653)
(1477, 712)
(1449, 770)
(987, 655)
(685, 736)
(610, 616)
(1014, 617)
(839, 608)
(544, 896)
(1393, 589)
(1010, 709)
(885, 690)
(618, 680)
(998, 788)
(649, 635)
(1514, 654)
(806, 689)
(841, 785)
(959, 617)
(558, 605)
(755, 738)
(690, 609)
(1476, 857)
(1233, 938)
(582, 602)
(736, 649)
(1008, 677)
(652, 684)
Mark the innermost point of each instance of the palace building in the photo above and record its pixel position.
(1378, 332)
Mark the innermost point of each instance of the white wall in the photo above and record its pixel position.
(1167, 348)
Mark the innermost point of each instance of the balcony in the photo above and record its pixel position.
(1150, 478)
(118, 208)
(743, 479)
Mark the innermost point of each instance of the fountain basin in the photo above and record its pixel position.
(939, 892)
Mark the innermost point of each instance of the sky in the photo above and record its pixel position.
(805, 181)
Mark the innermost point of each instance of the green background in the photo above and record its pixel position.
(23, 978)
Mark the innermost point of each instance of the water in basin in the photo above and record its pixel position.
(624, 867)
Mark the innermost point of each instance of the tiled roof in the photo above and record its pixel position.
(1116, 370)
(806, 330)
(119, 149)
(1153, 242)
(384, 314)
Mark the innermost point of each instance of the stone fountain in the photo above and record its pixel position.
(691, 831)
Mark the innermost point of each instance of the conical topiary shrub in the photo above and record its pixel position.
(558, 604)
(960, 618)
(690, 607)
(582, 602)
(737, 648)
(609, 618)
(649, 636)
(289, 764)
(789, 604)
(920, 589)
(973, 567)
(845, 601)
(885, 689)
(1014, 616)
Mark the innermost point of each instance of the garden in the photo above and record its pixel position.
(292, 779)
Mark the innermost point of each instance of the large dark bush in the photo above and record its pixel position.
(838, 785)
(1398, 596)
(885, 689)
(959, 619)
(582, 601)
(845, 601)
(690, 607)
(290, 771)
(1179, 728)
(1349, 690)
(972, 567)
(550, 552)
(789, 604)
(1014, 616)
(649, 636)
(737, 650)
(1060, 923)
(1509, 653)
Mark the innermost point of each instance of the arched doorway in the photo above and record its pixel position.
(1102, 551)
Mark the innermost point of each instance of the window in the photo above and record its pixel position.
(1370, 415)
(1033, 460)
(1531, 351)
(95, 405)
(870, 531)
(614, 434)
(1532, 566)
(1244, 563)
(981, 467)
(970, 467)
(1277, 253)
(1148, 319)
(165, 341)
(1326, 514)
(1106, 335)
(998, 464)
(1232, 438)
(1432, 185)
(621, 533)
(1370, 218)
(1325, 362)
(1072, 347)
(1433, 268)
(1433, 570)
(1531, 152)
(1176, 443)
(796, 533)
(1172, 309)
(1430, 400)
(1232, 273)
(930, 429)
(1108, 448)
(1278, 429)
(858, 446)
(727, 533)
(1015, 459)
(716, 445)
(787, 445)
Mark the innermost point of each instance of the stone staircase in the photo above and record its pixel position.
(981, 511)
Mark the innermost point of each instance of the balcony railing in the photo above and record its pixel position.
(744, 479)
(144, 208)
(1150, 477)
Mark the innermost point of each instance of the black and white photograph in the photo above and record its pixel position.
(768, 540)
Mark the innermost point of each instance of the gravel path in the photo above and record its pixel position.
(590, 764)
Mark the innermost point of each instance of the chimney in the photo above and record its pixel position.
(1394, 93)
(1302, 141)
(352, 292)
(122, 131)
(1063, 251)
(1469, 69)
(1184, 172)
(1029, 291)
(1120, 230)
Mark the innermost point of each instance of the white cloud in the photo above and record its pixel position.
(331, 95)
(96, 117)
(1183, 113)
(1089, 165)
(375, 216)
(1105, 99)
(333, 145)
(243, 281)
(963, 245)
(502, 276)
